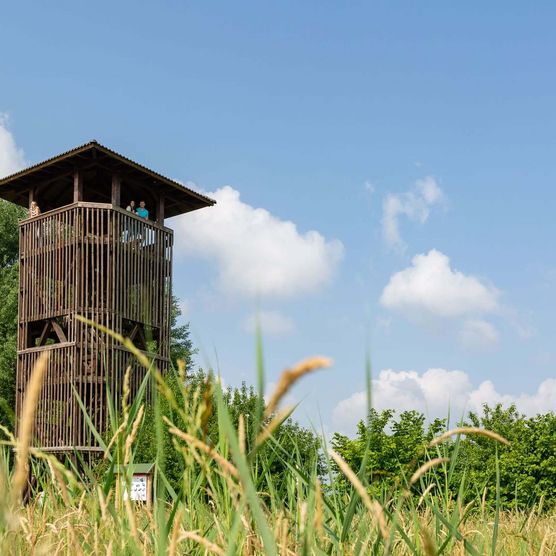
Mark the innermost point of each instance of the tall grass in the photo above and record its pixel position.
(229, 503)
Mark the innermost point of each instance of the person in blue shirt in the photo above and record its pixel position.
(142, 211)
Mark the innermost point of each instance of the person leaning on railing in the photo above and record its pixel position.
(34, 209)
(142, 211)
(145, 236)
(127, 234)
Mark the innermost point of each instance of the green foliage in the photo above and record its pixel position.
(231, 500)
(291, 439)
(10, 215)
(9, 277)
(181, 345)
(527, 466)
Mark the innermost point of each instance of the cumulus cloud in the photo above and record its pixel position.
(414, 204)
(478, 334)
(271, 322)
(430, 287)
(437, 393)
(12, 158)
(256, 253)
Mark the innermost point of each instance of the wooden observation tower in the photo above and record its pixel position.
(85, 254)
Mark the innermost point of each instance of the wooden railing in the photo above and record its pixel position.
(93, 257)
(110, 266)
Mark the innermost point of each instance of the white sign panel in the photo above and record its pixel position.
(138, 488)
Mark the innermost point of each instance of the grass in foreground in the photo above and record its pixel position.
(229, 502)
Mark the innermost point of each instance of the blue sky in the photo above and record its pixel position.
(385, 175)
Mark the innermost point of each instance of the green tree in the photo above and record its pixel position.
(292, 439)
(181, 345)
(527, 465)
(9, 277)
(388, 446)
(396, 447)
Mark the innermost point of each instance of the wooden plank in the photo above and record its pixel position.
(44, 333)
(77, 185)
(59, 331)
(116, 190)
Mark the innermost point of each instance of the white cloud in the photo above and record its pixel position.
(270, 322)
(478, 334)
(431, 288)
(415, 204)
(437, 393)
(12, 158)
(257, 253)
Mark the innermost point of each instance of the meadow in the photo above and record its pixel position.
(228, 500)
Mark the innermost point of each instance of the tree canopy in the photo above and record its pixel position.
(390, 447)
(9, 277)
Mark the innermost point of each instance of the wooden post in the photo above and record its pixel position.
(116, 190)
(31, 197)
(77, 186)
(160, 209)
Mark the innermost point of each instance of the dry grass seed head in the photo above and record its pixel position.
(425, 493)
(466, 431)
(278, 419)
(114, 438)
(241, 433)
(182, 371)
(428, 544)
(134, 430)
(302, 516)
(200, 445)
(290, 376)
(174, 539)
(318, 518)
(374, 508)
(425, 467)
(210, 546)
(26, 425)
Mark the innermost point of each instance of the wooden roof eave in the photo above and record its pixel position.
(40, 173)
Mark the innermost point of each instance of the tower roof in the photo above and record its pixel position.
(52, 180)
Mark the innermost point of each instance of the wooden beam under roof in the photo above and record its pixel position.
(179, 199)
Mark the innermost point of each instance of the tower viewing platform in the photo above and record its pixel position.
(83, 253)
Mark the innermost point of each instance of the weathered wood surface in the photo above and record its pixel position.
(112, 267)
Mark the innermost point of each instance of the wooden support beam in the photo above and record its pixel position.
(116, 190)
(77, 186)
(134, 332)
(160, 209)
(31, 197)
(45, 332)
(59, 331)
